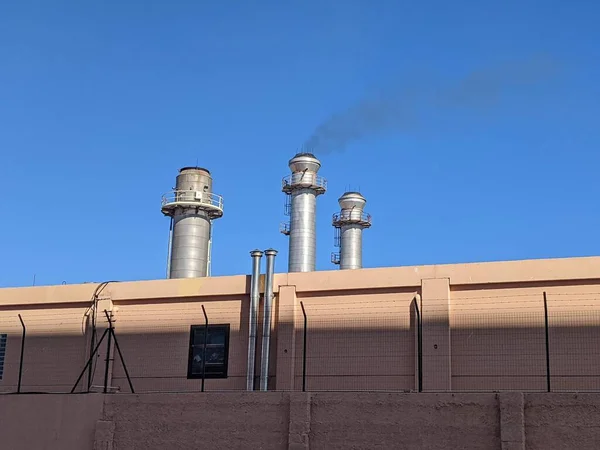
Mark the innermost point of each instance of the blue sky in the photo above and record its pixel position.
(102, 102)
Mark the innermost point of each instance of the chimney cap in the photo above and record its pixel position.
(304, 161)
(352, 199)
(310, 155)
(184, 169)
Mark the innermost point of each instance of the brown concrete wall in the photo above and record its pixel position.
(49, 422)
(411, 421)
(184, 421)
(300, 421)
(562, 421)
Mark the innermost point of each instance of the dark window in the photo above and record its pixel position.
(217, 351)
(2, 353)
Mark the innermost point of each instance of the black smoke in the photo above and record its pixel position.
(397, 108)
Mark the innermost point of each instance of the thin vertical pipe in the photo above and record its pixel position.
(22, 354)
(170, 248)
(419, 347)
(92, 340)
(204, 347)
(547, 342)
(209, 255)
(268, 306)
(110, 334)
(253, 314)
(304, 348)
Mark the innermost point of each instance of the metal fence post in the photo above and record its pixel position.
(419, 346)
(22, 353)
(204, 349)
(110, 335)
(123, 362)
(547, 342)
(304, 349)
(92, 346)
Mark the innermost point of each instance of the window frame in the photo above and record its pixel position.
(4, 339)
(200, 328)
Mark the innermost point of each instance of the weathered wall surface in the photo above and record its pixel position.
(404, 421)
(300, 421)
(187, 421)
(49, 422)
(562, 421)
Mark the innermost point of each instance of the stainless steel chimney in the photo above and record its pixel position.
(254, 300)
(302, 188)
(267, 318)
(192, 207)
(349, 224)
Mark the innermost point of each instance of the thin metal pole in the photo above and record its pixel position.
(122, 360)
(22, 353)
(204, 350)
(92, 346)
(170, 249)
(110, 334)
(89, 361)
(419, 346)
(547, 342)
(304, 349)
(209, 257)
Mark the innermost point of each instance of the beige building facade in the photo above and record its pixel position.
(520, 325)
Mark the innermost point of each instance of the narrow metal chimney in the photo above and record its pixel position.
(192, 207)
(302, 188)
(267, 318)
(254, 301)
(349, 224)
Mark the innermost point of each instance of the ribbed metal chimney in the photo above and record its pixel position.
(349, 224)
(302, 188)
(192, 207)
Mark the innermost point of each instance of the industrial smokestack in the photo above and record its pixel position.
(302, 188)
(192, 207)
(349, 224)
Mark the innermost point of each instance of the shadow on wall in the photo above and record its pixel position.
(379, 351)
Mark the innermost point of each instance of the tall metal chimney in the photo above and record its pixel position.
(349, 224)
(192, 207)
(302, 188)
(254, 301)
(267, 318)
